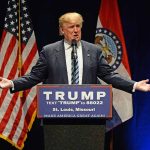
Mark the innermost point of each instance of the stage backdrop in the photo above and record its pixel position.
(135, 16)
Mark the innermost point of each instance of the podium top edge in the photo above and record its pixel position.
(79, 85)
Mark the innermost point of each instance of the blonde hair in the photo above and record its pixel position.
(67, 16)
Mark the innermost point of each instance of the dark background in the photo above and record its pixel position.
(135, 16)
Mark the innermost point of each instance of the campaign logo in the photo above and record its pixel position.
(110, 45)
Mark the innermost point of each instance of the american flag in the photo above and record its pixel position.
(109, 20)
(18, 53)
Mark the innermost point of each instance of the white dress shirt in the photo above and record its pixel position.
(68, 50)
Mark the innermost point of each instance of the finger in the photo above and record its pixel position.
(146, 81)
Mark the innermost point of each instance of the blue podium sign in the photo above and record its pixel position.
(74, 101)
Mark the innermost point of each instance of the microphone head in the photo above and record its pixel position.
(74, 42)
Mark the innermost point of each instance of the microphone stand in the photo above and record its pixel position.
(74, 53)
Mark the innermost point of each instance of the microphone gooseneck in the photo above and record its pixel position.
(74, 48)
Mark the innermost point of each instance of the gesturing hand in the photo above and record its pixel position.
(143, 85)
(5, 83)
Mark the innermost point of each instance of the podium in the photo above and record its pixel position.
(73, 116)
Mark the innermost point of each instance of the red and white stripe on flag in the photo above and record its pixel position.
(17, 113)
(109, 18)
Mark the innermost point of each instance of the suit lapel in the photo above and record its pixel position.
(86, 62)
(60, 58)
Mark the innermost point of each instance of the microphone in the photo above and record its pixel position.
(74, 49)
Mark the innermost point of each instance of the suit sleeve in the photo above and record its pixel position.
(107, 74)
(38, 74)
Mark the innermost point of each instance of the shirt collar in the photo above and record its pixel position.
(68, 45)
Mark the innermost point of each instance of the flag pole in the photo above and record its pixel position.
(111, 140)
(19, 44)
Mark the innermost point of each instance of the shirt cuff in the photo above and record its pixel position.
(12, 85)
(134, 87)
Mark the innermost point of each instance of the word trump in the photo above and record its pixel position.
(74, 95)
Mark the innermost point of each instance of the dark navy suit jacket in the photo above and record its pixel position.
(51, 68)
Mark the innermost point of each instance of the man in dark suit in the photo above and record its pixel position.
(54, 63)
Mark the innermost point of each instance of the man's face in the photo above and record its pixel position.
(72, 29)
